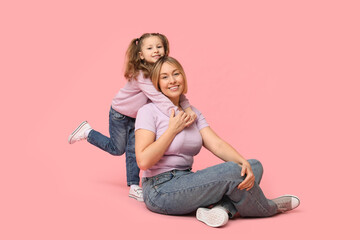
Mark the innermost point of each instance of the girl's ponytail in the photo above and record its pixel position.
(131, 59)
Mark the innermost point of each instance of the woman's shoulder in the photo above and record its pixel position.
(195, 110)
(149, 107)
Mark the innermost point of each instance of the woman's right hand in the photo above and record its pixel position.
(178, 123)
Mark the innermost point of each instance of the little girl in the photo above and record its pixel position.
(141, 55)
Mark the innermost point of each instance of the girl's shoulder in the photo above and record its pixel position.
(140, 76)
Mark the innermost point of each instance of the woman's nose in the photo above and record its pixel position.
(172, 80)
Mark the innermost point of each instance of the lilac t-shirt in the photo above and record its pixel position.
(136, 94)
(185, 145)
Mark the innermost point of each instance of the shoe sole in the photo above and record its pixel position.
(76, 131)
(136, 197)
(212, 217)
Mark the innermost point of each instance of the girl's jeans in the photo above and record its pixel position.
(181, 192)
(122, 139)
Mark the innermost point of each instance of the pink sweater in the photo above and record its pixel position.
(137, 93)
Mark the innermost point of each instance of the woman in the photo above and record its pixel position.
(165, 150)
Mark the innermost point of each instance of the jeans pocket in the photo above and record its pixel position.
(159, 181)
(118, 116)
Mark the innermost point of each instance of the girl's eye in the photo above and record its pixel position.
(160, 46)
(149, 48)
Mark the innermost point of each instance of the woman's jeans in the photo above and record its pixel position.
(122, 139)
(181, 192)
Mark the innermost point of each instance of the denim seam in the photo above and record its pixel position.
(157, 206)
(199, 186)
(258, 203)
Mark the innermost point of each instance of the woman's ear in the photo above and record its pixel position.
(141, 55)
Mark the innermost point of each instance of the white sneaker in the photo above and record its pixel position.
(136, 193)
(286, 202)
(79, 133)
(214, 217)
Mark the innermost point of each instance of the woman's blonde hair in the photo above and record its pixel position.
(133, 62)
(156, 71)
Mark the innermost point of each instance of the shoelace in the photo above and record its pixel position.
(138, 190)
(283, 205)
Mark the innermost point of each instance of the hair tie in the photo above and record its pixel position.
(137, 40)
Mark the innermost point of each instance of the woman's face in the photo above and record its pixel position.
(152, 49)
(171, 82)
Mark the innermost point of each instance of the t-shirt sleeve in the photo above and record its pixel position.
(160, 100)
(184, 102)
(200, 120)
(145, 118)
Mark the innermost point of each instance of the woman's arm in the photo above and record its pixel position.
(148, 150)
(226, 152)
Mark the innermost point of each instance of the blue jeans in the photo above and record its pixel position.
(181, 192)
(122, 139)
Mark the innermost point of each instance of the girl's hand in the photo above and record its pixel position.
(178, 123)
(192, 115)
(249, 180)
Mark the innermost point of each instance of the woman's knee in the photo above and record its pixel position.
(231, 170)
(254, 163)
(257, 169)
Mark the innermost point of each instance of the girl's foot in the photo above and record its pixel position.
(136, 193)
(286, 203)
(80, 133)
(214, 217)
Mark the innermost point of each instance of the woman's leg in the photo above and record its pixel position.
(184, 192)
(258, 170)
(115, 145)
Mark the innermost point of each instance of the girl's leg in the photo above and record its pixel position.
(184, 192)
(114, 145)
(132, 169)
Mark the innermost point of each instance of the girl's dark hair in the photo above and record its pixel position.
(133, 62)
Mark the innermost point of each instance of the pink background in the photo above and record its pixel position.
(279, 80)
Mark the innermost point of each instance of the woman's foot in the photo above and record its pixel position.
(215, 217)
(136, 193)
(286, 203)
(80, 133)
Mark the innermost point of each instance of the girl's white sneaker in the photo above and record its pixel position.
(136, 193)
(79, 133)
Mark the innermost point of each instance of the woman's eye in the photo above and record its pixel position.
(163, 77)
(177, 74)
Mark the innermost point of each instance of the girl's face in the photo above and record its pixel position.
(152, 49)
(171, 82)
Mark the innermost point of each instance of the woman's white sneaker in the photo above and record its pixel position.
(286, 202)
(214, 217)
(80, 132)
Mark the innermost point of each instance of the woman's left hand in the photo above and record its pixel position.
(249, 180)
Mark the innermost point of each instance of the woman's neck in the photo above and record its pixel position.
(175, 101)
